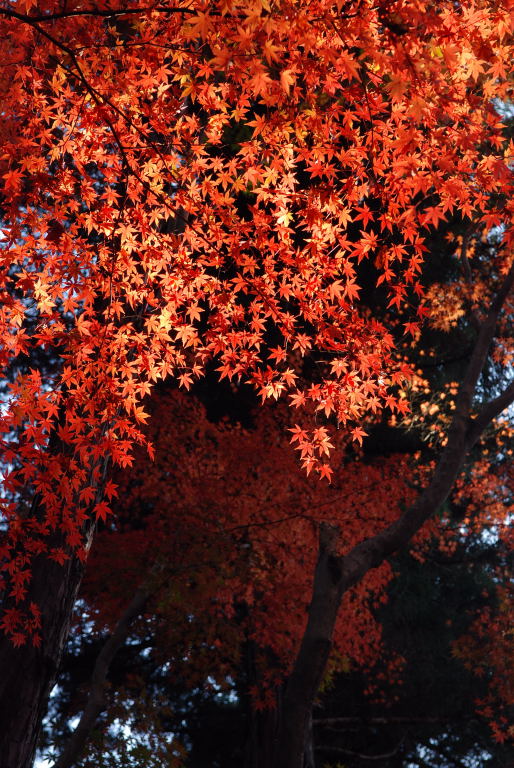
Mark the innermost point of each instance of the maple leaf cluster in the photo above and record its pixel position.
(201, 185)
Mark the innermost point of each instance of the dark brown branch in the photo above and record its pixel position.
(342, 751)
(96, 699)
(29, 673)
(330, 721)
(489, 412)
(95, 12)
(335, 574)
(437, 748)
(461, 436)
(482, 345)
(466, 268)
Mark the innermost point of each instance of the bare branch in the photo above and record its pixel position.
(307, 673)
(489, 412)
(329, 721)
(96, 699)
(341, 751)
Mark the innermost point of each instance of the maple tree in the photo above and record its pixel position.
(201, 185)
(229, 552)
(233, 586)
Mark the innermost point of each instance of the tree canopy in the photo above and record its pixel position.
(251, 189)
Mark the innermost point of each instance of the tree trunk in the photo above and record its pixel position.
(261, 738)
(262, 725)
(308, 759)
(307, 674)
(27, 673)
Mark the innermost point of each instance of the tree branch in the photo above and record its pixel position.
(11, 14)
(466, 268)
(96, 699)
(489, 412)
(341, 751)
(461, 436)
(335, 574)
(331, 721)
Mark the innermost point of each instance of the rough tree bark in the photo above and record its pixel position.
(335, 574)
(28, 673)
(307, 673)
